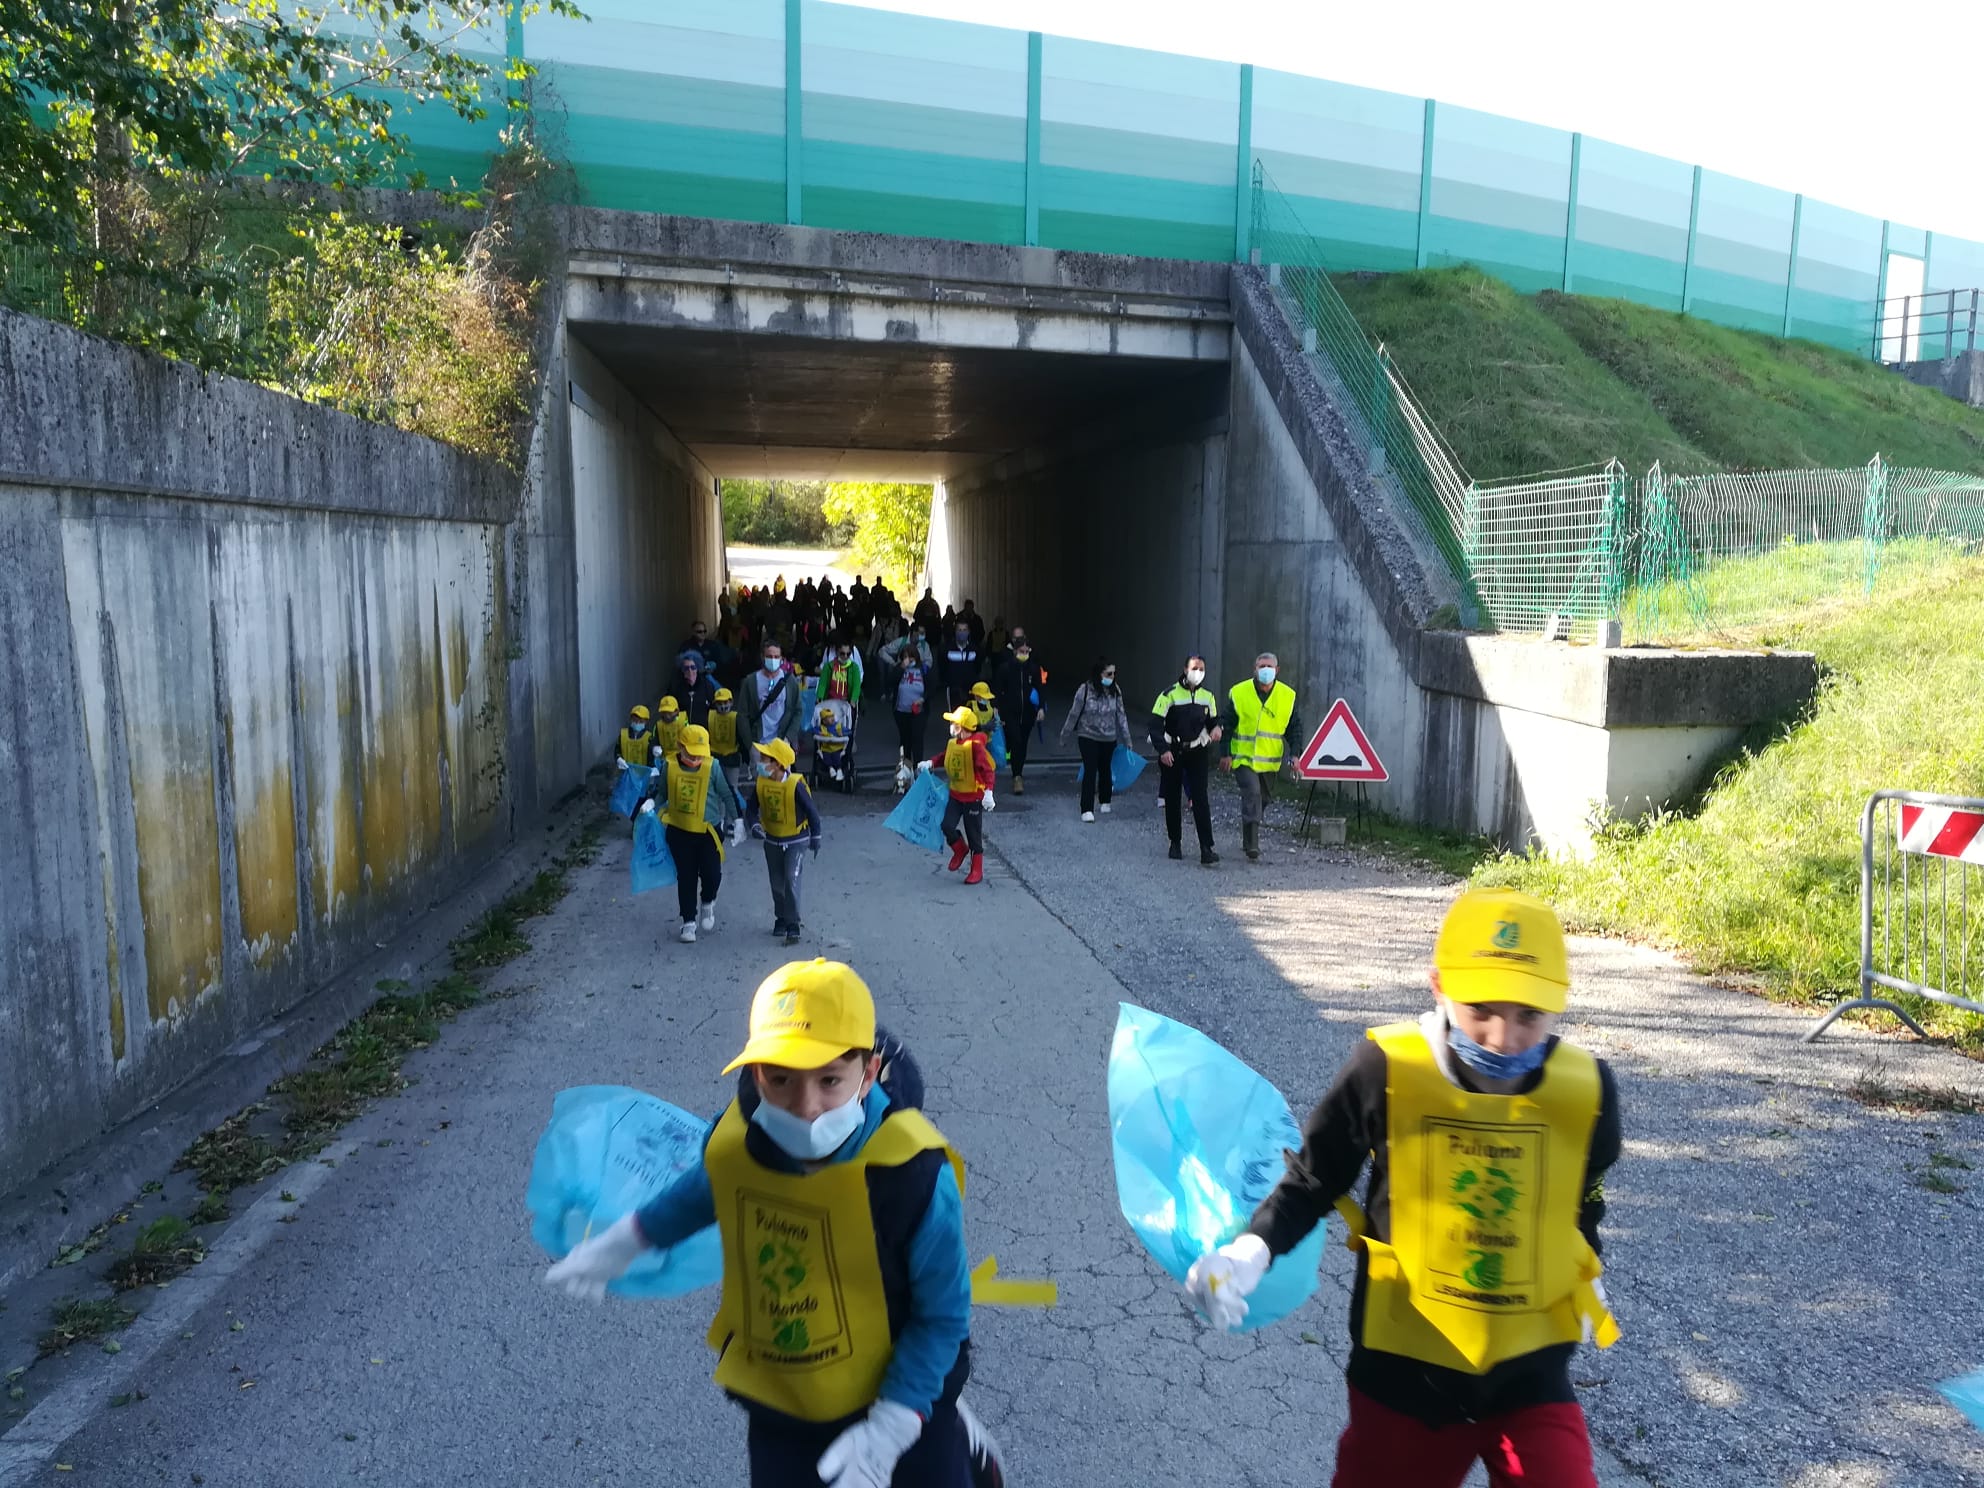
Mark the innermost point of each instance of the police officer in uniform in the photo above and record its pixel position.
(1184, 726)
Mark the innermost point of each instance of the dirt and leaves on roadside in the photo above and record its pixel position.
(95, 1287)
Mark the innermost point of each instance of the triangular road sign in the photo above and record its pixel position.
(1340, 750)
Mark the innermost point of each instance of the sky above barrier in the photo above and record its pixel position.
(1865, 109)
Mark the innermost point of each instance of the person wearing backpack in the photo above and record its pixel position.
(771, 699)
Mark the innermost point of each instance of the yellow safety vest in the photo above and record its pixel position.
(1486, 1261)
(688, 794)
(634, 747)
(723, 734)
(668, 735)
(778, 806)
(1262, 725)
(986, 713)
(961, 766)
(803, 1324)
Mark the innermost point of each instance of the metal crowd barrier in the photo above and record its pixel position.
(1921, 857)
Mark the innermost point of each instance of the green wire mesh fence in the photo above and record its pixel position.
(1670, 557)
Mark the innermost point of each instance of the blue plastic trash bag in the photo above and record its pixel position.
(627, 791)
(652, 865)
(919, 816)
(1125, 765)
(1199, 1139)
(1966, 1393)
(607, 1151)
(996, 745)
(809, 704)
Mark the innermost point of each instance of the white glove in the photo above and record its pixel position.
(989, 802)
(593, 1263)
(1591, 1323)
(923, 767)
(648, 806)
(865, 1455)
(1220, 1283)
(622, 764)
(737, 833)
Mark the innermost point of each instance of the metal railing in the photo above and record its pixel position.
(1921, 939)
(1943, 324)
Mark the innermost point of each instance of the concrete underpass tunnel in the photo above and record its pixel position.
(1071, 413)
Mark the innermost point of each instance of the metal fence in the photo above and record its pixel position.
(1921, 904)
(1926, 327)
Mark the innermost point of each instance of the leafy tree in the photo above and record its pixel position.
(891, 527)
(780, 513)
(127, 128)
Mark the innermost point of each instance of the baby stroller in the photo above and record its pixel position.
(833, 745)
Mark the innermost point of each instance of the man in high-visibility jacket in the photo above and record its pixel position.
(1259, 719)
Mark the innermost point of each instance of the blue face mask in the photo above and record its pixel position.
(1264, 676)
(771, 666)
(1496, 1066)
(809, 1141)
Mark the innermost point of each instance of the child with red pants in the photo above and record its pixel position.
(969, 770)
(1477, 1240)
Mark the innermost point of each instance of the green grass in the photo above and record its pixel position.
(80, 1319)
(1521, 385)
(163, 1249)
(1763, 881)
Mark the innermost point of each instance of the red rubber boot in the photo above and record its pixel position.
(977, 874)
(958, 850)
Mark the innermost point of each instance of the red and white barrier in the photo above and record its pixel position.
(1943, 832)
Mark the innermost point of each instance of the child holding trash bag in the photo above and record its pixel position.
(699, 809)
(723, 734)
(1477, 1240)
(969, 771)
(844, 1324)
(780, 813)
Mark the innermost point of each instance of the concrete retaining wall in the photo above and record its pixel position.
(1960, 377)
(275, 680)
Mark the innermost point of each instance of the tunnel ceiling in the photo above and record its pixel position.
(794, 407)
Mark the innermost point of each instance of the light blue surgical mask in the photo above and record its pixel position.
(1264, 676)
(1109, 681)
(1496, 1066)
(771, 665)
(810, 1141)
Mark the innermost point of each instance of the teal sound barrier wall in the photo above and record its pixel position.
(838, 116)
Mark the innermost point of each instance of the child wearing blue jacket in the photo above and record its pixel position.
(844, 1324)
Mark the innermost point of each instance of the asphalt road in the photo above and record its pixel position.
(1789, 1293)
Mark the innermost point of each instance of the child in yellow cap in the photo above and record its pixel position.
(699, 809)
(1477, 1276)
(668, 724)
(969, 772)
(634, 743)
(723, 734)
(780, 812)
(983, 705)
(844, 1324)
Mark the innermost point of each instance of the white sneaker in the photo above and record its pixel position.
(1105, 808)
(688, 935)
(1089, 816)
(708, 919)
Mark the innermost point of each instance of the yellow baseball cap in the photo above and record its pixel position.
(980, 690)
(777, 749)
(808, 1014)
(639, 710)
(723, 696)
(962, 716)
(695, 741)
(1501, 945)
(669, 705)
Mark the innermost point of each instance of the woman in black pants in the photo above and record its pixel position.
(909, 703)
(1099, 723)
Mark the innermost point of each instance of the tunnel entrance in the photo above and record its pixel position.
(1069, 414)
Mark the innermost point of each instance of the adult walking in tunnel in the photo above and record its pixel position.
(1019, 688)
(1259, 718)
(908, 684)
(1184, 728)
(771, 698)
(693, 688)
(1099, 722)
(963, 664)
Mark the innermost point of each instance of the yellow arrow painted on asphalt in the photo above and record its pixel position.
(987, 1291)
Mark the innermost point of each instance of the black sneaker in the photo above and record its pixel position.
(792, 934)
(1176, 852)
(1207, 857)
